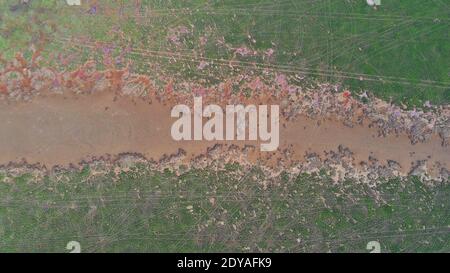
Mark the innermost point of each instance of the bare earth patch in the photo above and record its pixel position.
(66, 129)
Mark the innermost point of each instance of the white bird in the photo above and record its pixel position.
(364, 95)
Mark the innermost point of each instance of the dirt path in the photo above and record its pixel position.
(58, 130)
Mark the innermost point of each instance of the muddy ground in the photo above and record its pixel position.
(57, 129)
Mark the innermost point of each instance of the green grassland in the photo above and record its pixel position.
(215, 211)
(401, 50)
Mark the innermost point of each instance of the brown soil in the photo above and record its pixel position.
(63, 129)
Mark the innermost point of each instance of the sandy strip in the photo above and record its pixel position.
(60, 129)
